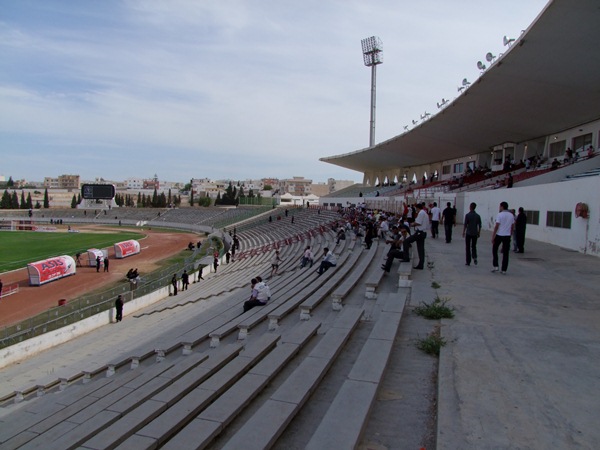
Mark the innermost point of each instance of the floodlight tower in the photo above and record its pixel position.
(372, 49)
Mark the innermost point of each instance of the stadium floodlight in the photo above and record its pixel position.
(372, 49)
(481, 66)
(490, 57)
(443, 103)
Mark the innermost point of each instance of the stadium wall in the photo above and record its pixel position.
(33, 346)
(584, 233)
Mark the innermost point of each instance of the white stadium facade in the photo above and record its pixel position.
(540, 98)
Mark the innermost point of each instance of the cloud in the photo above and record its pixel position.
(131, 88)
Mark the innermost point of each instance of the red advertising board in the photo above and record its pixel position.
(51, 269)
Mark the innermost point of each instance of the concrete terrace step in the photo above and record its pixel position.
(347, 416)
(270, 420)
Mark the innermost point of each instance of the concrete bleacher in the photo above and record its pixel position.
(178, 389)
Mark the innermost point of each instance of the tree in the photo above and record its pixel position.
(37, 205)
(46, 200)
(14, 201)
(23, 204)
(267, 187)
(169, 199)
(204, 201)
(139, 200)
(154, 199)
(10, 182)
(29, 202)
(218, 199)
(5, 203)
(192, 197)
(74, 202)
(79, 198)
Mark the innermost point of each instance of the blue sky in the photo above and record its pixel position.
(229, 89)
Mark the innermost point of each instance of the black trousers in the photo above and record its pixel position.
(435, 228)
(392, 254)
(418, 237)
(448, 231)
(471, 247)
(505, 242)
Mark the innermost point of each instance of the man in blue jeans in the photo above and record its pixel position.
(505, 222)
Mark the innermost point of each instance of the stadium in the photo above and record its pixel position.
(331, 362)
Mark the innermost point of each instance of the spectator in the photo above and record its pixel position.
(420, 225)
(185, 280)
(471, 232)
(327, 262)
(395, 251)
(503, 229)
(275, 263)
(307, 257)
(520, 227)
(449, 221)
(119, 308)
(435, 220)
(174, 283)
(258, 297)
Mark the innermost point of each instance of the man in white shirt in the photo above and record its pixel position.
(435, 220)
(505, 222)
(327, 262)
(420, 224)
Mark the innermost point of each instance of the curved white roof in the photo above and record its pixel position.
(548, 81)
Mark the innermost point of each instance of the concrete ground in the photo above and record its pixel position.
(520, 369)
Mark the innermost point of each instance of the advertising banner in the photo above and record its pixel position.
(127, 248)
(51, 269)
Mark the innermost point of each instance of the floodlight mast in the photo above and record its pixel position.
(372, 49)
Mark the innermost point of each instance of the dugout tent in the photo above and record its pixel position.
(92, 254)
(51, 269)
(127, 248)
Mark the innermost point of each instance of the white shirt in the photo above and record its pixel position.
(330, 257)
(435, 213)
(423, 221)
(263, 293)
(505, 219)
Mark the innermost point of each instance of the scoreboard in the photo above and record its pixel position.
(98, 191)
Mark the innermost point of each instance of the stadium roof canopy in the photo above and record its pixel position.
(548, 81)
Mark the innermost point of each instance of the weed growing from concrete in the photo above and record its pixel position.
(432, 343)
(436, 310)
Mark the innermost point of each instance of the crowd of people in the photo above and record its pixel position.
(400, 231)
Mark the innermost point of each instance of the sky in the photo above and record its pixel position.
(227, 89)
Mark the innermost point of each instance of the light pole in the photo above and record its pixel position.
(372, 49)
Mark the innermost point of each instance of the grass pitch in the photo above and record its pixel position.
(18, 248)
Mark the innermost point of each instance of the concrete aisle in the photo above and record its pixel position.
(520, 369)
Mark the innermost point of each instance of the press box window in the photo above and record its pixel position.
(533, 217)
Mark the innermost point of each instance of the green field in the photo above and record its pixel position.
(18, 248)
